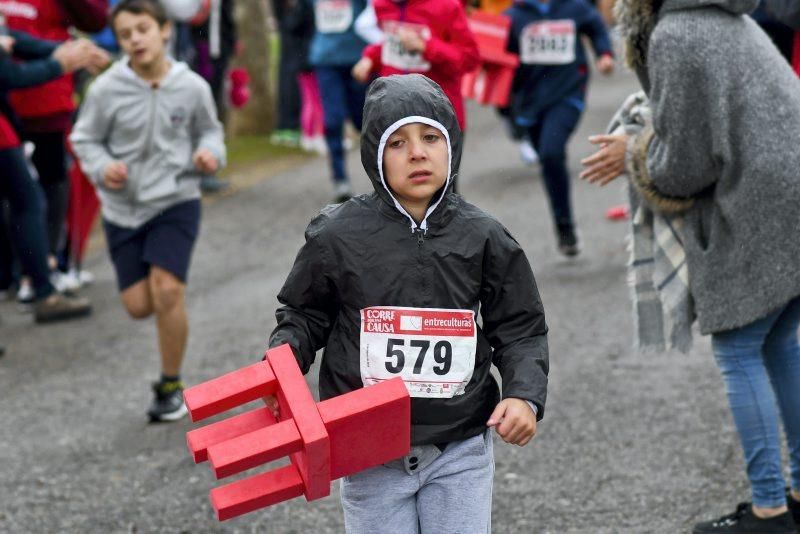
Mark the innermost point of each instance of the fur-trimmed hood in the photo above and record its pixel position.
(637, 18)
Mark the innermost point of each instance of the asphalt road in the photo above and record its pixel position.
(630, 443)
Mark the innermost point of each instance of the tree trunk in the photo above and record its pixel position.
(254, 36)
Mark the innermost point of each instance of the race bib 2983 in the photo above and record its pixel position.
(549, 42)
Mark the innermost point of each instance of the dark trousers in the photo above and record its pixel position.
(342, 98)
(292, 61)
(50, 160)
(549, 136)
(26, 222)
(217, 82)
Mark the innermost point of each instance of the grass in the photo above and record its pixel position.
(246, 150)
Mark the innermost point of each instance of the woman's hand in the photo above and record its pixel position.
(606, 164)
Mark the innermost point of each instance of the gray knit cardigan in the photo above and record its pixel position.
(726, 146)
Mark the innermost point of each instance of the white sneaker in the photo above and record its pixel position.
(527, 153)
(86, 278)
(64, 282)
(314, 144)
(78, 279)
(342, 191)
(25, 294)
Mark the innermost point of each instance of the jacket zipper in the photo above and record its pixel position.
(148, 145)
(151, 125)
(423, 283)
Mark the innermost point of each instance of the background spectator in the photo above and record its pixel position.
(296, 28)
(46, 111)
(47, 62)
(335, 49)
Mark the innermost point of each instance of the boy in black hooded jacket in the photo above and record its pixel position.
(390, 284)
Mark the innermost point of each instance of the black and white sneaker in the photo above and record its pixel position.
(567, 240)
(342, 191)
(167, 402)
(794, 508)
(744, 521)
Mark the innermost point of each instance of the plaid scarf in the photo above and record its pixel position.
(657, 271)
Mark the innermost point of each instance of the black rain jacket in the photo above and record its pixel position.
(368, 252)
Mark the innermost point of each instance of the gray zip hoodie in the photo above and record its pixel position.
(154, 131)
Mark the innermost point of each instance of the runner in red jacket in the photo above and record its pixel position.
(430, 37)
(46, 111)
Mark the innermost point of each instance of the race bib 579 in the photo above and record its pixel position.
(432, 350)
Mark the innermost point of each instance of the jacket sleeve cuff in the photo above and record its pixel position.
(639, 176)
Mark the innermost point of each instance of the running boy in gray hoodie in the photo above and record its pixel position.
(146, 134)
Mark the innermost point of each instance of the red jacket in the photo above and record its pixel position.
(50, 19)
(8, 136)
(450, 49)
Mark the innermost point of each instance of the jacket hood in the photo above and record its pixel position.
(121, 72)
(637, 18)
(392, 102)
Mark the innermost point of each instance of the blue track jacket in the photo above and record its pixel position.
(553, 63)
(335, 43)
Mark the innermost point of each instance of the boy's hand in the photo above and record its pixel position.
(411, 40)
(272, 403)
(605, 64)
(606, 164)
(204, 161)
(115, 175)
(514, 421)
(362, 69)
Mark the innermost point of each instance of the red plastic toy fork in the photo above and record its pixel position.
(324, 441)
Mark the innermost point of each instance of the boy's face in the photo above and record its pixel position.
(141, 38)
(415, 162)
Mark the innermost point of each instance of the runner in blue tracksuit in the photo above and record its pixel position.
(335, 48)
(548, 96)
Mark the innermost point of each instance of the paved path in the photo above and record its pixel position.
(630, 443)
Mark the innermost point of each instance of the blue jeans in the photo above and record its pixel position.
(27, 229)
(549, 135)
(342, 98)
(760, 364)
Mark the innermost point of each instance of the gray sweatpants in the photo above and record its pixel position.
(451, 494)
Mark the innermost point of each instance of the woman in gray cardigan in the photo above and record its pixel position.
(723, 150)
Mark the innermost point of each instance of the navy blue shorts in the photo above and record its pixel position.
(165, 241)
